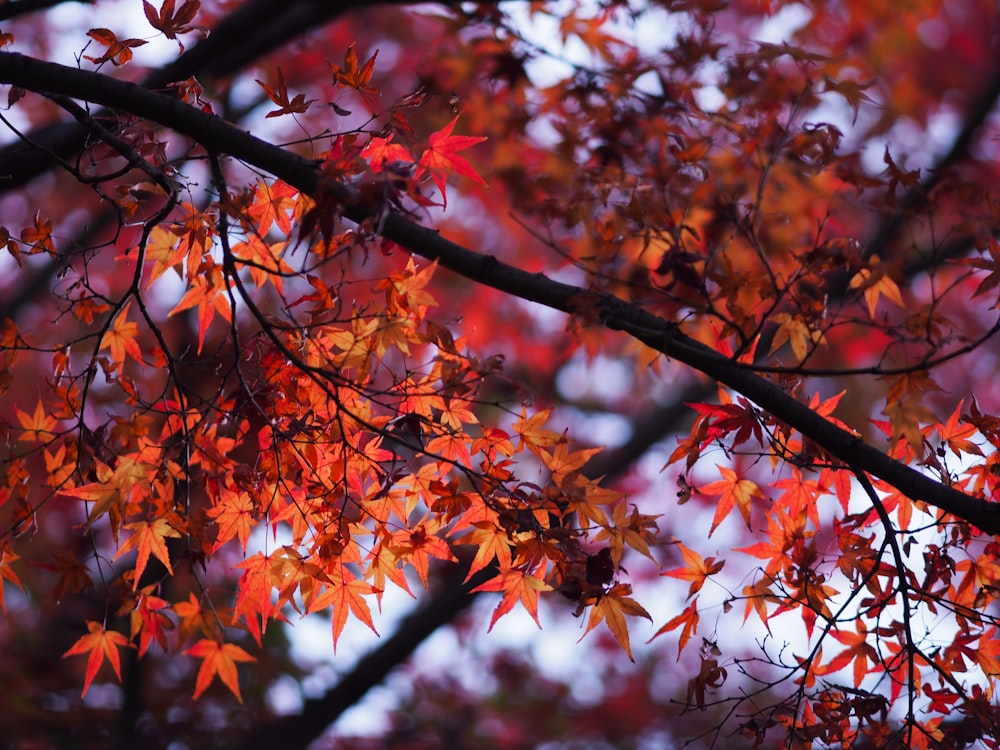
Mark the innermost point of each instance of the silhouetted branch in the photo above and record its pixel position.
(11, 9)
(249, 32)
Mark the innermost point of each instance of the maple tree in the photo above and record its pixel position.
(312, 304)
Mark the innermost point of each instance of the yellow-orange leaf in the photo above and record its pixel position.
(350, 75)
(39, 426)
(120, 339)
(697, 569)
(875, 284)
(533, 434)
(612, 607)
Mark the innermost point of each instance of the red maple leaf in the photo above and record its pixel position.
(219, 659)
(441, 157)
(148, 538)
(516, 584)
(99, 643)
(171, 23)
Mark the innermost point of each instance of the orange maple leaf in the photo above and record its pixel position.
(279, 95)
(562, 462)
(733, 491)
(799, 496)
(120, 339)
(758, 595)
(350, 75)
(38, 426)
(219, 659)
(405, 291)
(697, 569)
(6, 571)
(99, 643)
(271, 204)
(39, 237)
(385, 565)
(491, 540)
(633, 528)
(235, 514)
(689, 619)
(381, 151)
(346, 597)
(205, 294)
(149, 622)
(164, 251)
(254, 598)
(612, 607)
(417, 545)
(988, 653)
(533, 434)
(263, 259)
(874, 283)
(441, 157)
(195, 620)
(104, 493)
(858, 650)
(148, 538)
(516, 584)
(119, 51)
(956, 433)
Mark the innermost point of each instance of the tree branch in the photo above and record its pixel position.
(610, 311)
(15, 8)
(318, 713)
(252, 30)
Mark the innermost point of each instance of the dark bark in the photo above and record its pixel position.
(15, 8)
(249, 32)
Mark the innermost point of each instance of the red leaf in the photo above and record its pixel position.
(441, 159)
(516, 585)
(279, 95)
(99, 643)
(219, 659)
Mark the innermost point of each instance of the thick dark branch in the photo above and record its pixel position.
(614, 313)
(249, 32)
(317, 714)
(14, 8)
(914, 199)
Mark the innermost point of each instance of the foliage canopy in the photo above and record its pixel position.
(278, 339)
